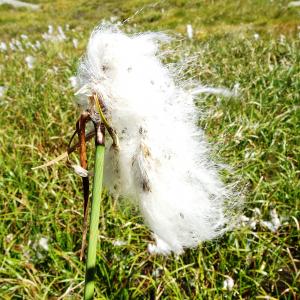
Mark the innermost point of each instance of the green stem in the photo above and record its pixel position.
(94, 220)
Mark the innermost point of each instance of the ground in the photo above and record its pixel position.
(250, 46)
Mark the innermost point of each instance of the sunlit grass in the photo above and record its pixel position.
(257, 134)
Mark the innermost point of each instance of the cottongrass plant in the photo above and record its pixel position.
(163, 164)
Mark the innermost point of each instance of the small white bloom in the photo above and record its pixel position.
(257, 212)
(9, 238)
(118, 243)
(12, 46)
(244, 218)
(50, 29)
(252, 224)
(274, 218)
(3, 47)
(189, 31)
(19, 45)
(282, 39)
(3, 90)
(30, 60)
(80, 171)
(236, 90)
(228, 284)
(61, 33)
(275, 223)
(73, 81)
(157, 272)
(24, 37)
(75, 43)
(29, 45)
(38, 44)
(43, 243)
(256, 36)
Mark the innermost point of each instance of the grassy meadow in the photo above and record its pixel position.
(251, 46)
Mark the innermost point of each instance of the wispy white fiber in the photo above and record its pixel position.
(163, 162)
(80, 171)
(215, 91)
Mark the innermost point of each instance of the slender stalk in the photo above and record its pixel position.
(95, 212)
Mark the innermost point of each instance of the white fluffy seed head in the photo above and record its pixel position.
(163, 161)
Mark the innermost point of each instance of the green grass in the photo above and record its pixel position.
(257, 134)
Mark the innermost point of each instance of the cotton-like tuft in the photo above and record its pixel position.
(163, 162)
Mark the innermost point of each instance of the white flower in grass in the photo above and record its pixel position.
(37, 44)
(244, 218)
(19, 45)
(12, 46)
(3, 47)
(3, 90)
(274, 224)
(43, 243)
(236, 90)
(228, 284)
(118, 243)
(29, 45)
(50, 29)
(252, 224)
(24, 37)
(73, 81)
(9, 238)
(75, 43)
(157, 272)
(257, 212)
(282, 39)
(256, 36)
(30, 60)
(61, 34)
(189, 31)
